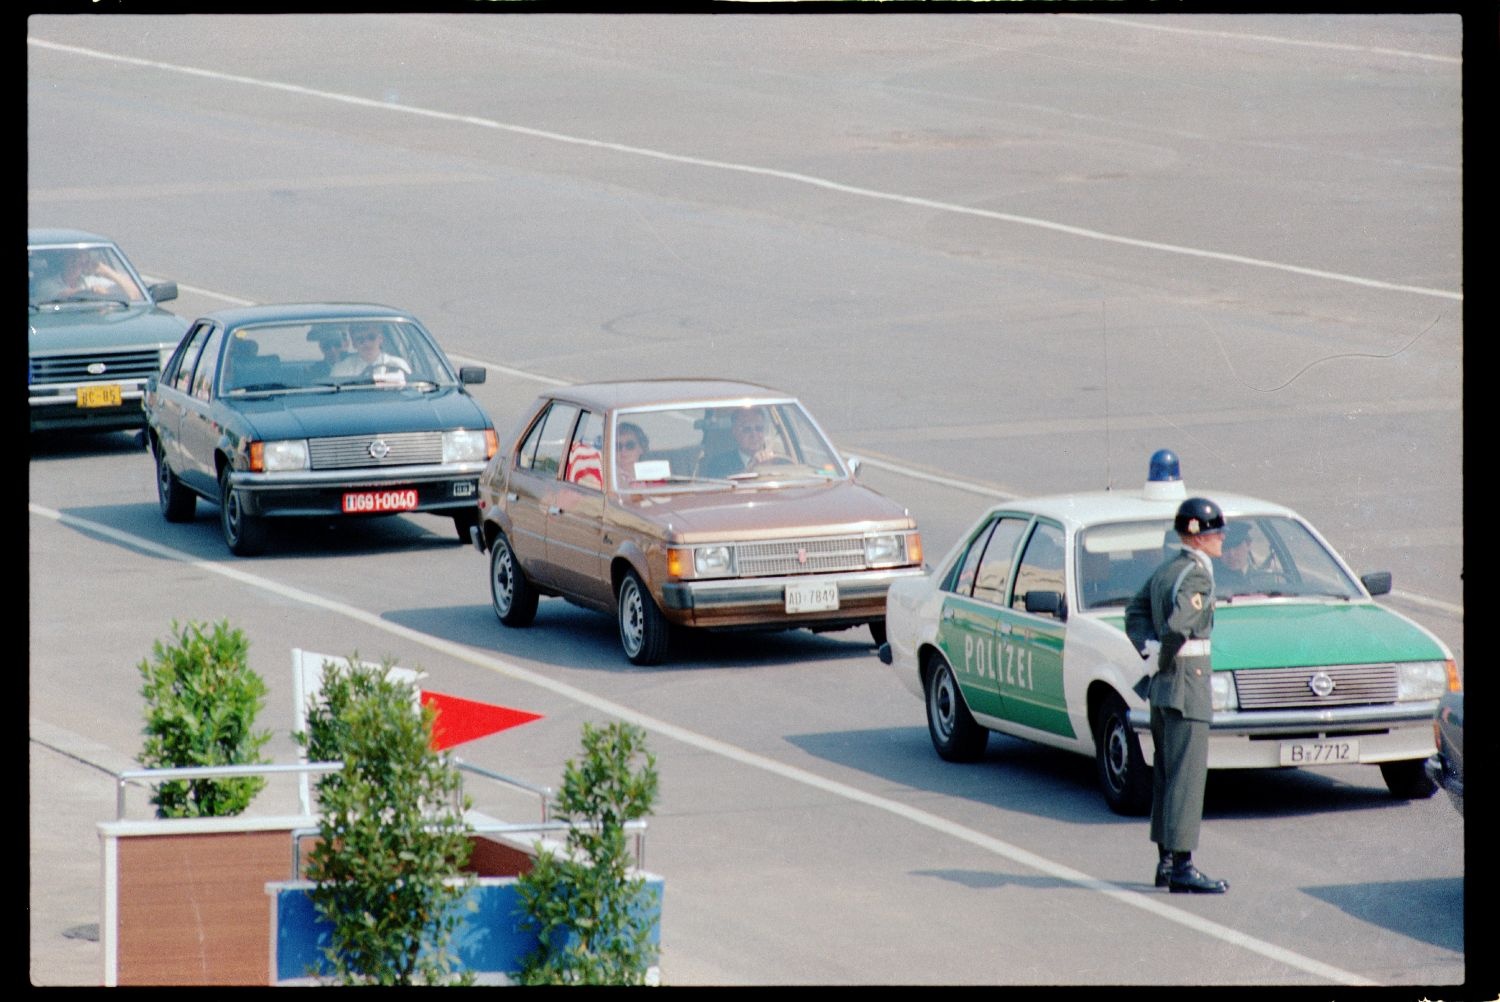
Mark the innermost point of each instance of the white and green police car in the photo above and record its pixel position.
(1020, 630)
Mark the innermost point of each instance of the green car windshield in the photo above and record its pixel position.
(1266, 557)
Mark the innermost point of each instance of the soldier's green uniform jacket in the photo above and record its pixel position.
(1176, 605)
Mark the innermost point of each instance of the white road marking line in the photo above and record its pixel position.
(807, 179)
(1023, 857)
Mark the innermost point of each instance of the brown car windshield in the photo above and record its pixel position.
(710, 447)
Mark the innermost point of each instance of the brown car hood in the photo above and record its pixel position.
(747, 512)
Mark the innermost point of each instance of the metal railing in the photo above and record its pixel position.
(154, 776)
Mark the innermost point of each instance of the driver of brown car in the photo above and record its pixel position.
(748, 428)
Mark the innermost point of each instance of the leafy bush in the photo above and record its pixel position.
(201, 703)
(592, 917)
(393, 837)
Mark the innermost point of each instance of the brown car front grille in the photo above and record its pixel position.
(351, 451)
(1285, 688)
(800, 556)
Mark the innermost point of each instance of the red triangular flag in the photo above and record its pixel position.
(459, 720)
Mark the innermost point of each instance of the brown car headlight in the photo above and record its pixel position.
(885, 550)
(713, 561)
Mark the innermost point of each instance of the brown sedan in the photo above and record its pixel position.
(688, 503)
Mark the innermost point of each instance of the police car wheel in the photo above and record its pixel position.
(955, 734)
(1408, 780)
(1123, 775)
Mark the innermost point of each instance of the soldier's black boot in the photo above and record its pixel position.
(1186, 878)
(1163, 866)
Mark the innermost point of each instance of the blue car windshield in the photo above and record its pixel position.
(377, 354)
(1265, 557)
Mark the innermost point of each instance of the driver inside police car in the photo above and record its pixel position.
(370, 357)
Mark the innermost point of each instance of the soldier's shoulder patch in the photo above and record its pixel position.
(1197, 601)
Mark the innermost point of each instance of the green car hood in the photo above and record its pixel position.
(1276, 635)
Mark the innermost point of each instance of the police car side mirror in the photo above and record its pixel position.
(853, 462)
(1377, 583)
(470, 374)
(1048, 603)
(161, 292)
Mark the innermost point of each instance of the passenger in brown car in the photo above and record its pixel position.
(630, 445)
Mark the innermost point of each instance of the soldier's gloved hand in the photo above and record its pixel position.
(1150, 650)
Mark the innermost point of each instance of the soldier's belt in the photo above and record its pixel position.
(1193, 649)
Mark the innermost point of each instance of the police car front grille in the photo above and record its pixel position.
(110, 366)
(403, 449)
(1286, 688)
(801, 556)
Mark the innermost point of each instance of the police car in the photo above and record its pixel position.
(1020, 630)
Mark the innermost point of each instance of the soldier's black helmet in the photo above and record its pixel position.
(1195, 516)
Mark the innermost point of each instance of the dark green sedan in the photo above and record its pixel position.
(95, 332)
(314, 410)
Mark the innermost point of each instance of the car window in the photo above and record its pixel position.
(1041, 567)
(75, 274)
(179, 371)
(961, 577)
(208, 364)
(695, 447)
(543, 450)
(999, 554)
(586, 453)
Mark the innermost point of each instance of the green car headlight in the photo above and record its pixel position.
(1224, 694)
(1421, 680)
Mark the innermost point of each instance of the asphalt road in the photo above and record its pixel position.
(995, 255)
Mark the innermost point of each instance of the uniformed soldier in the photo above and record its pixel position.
(1174, 611)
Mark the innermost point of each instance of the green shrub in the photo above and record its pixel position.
(393, 839)
(592, 918)
(201, 703)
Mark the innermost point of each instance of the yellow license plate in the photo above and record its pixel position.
(102, 395)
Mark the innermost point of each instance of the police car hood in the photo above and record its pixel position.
(1300, 633)
(810, 509)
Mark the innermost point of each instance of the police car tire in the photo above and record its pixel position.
(955, 734)
(1123, 776)
(1408, 780)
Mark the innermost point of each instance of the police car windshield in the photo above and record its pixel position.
(1265, 557)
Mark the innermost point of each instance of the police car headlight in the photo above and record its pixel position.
(887, 549)
(287, 454)
(1225, 696)
(463, 446)
(1421, 680)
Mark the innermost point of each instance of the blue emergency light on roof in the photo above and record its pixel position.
(1164, 478)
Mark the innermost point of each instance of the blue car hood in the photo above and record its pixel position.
(92, 328)
(358, 412)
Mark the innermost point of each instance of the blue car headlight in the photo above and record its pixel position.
(464, 446)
